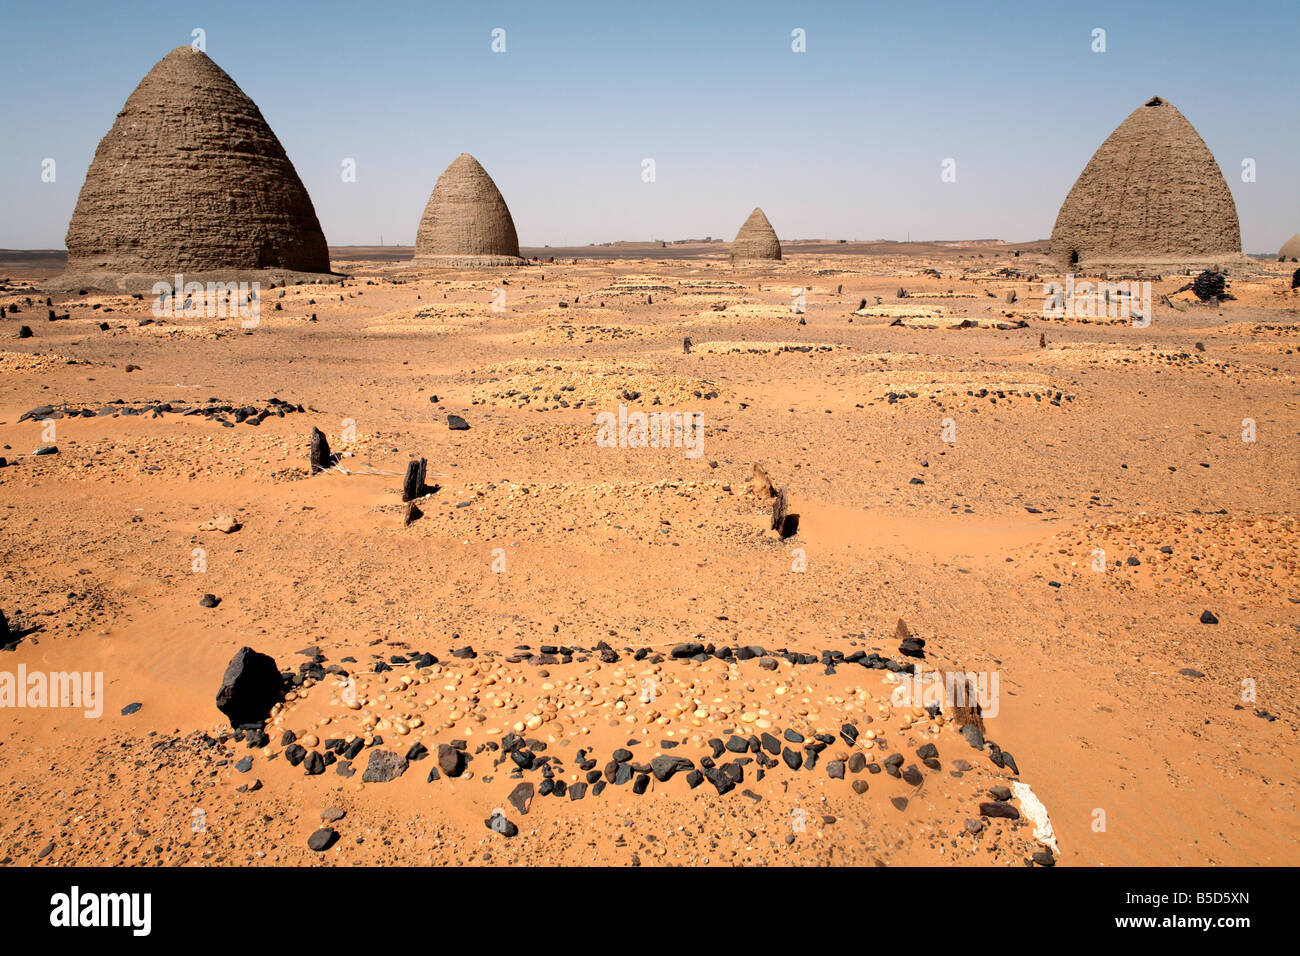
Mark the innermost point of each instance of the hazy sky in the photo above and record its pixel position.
(845, 140)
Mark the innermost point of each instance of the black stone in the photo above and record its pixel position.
(452, 761)
(384, 766)
(322, 839)
(664, 767)
(521, 797)
(320, 456)
(721, 780)
(250, 687)
(418, 751)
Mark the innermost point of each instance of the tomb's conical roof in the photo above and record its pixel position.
(756, 239)
(1152, 194)
(1291, 248)
(466, 221)
(191, 179)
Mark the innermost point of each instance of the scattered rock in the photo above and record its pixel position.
(521, 797)
(223, 523)
(322, 839)
(450, 760)
(250, 687)
(320, 456)
(384, 766)
(413, 486)
(999, 809)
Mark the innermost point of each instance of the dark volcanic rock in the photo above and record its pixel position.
(912, 647)
(664, 767)
(250, 687)
(320, 457)
(322, 839)
(417, 752)
(720, 779)
(521, 797)
(999, 809)
(452, 762)
(413, 484)
(383, 767)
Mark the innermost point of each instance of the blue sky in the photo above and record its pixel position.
(845, 140)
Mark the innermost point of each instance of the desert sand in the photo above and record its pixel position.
(956, 460)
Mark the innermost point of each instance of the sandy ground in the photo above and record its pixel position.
(961, 479)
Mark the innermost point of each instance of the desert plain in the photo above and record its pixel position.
(1052, 502)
